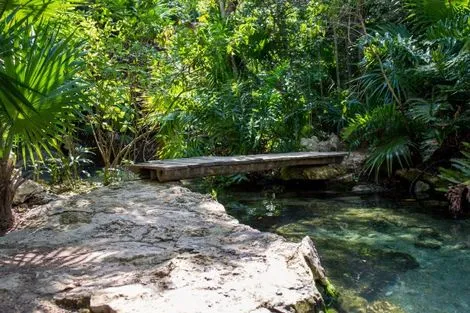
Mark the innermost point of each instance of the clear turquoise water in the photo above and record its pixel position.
(406, 252)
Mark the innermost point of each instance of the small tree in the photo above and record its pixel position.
(37, 93)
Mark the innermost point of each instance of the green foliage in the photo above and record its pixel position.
(331, 114)
(386, 130)
(458, 192)
(65, 170)
(460, 172)
(414, 84)
(423, 13)
(42, 91)
(191, 78)
(39, 92)
(244, 84)
(122, 50)
(187, 78)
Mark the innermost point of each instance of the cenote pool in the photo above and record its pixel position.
(381, 250)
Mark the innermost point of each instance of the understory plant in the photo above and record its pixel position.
(120, 40)
(459, 177)
(64, 169)
(238, 77)
(414, 84)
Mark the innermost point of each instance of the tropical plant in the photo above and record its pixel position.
(39, 92)
(243, 81)
(65, 170)
(414, 85)
(459, 177)
(386, 131)
(122, 50)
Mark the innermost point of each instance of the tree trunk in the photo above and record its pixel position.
(335, 41)
(9, 182)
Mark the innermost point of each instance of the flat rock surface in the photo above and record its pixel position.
(149, 247)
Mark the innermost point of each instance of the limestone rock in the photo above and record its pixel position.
(310, 144)
(146, 246)
(333, 143)
(26, 191)
(32, 193)
(324, 172)
(421, 187)
(383, 307)
(352, 303)
(412, 174)
(73, 303)
(311, 257)
(354, 161)
(74, 217)
(367, 188)
(428, 244)
(344, 180)
(313, 172)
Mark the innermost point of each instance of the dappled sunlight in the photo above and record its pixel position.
(146, 248)
(54, 259)
(99, 99)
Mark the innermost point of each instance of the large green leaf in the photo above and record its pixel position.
(38, 85)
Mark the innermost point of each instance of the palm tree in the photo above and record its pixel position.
(38, 91)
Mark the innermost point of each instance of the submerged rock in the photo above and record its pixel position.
(152, 247)
(429, 239)
(383, 307)
(367, 188)
(352, 303)
(358, 266)
(428, 244)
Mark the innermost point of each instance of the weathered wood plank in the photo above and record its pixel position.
(176, 169)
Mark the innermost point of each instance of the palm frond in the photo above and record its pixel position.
(388, 153)
(385, 130)
(39, 87)
(423, 13)
(38, 9)
(460, 171)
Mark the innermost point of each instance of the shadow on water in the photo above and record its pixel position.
(403, 251)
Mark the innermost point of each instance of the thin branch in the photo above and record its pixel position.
(131, 144)
(379, 60)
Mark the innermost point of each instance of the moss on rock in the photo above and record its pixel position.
(383, 307)
(71, 217)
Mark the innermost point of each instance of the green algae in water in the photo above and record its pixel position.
(396, 256)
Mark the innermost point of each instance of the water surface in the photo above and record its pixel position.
(406, 252)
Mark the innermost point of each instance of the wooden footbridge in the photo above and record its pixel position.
(176, 169)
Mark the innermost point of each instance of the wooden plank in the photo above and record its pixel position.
(176, 165)
(209, 161)
(175, 169)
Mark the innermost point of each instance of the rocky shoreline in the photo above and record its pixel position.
(148, 247)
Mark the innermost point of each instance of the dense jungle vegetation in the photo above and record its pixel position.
(127, 80)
